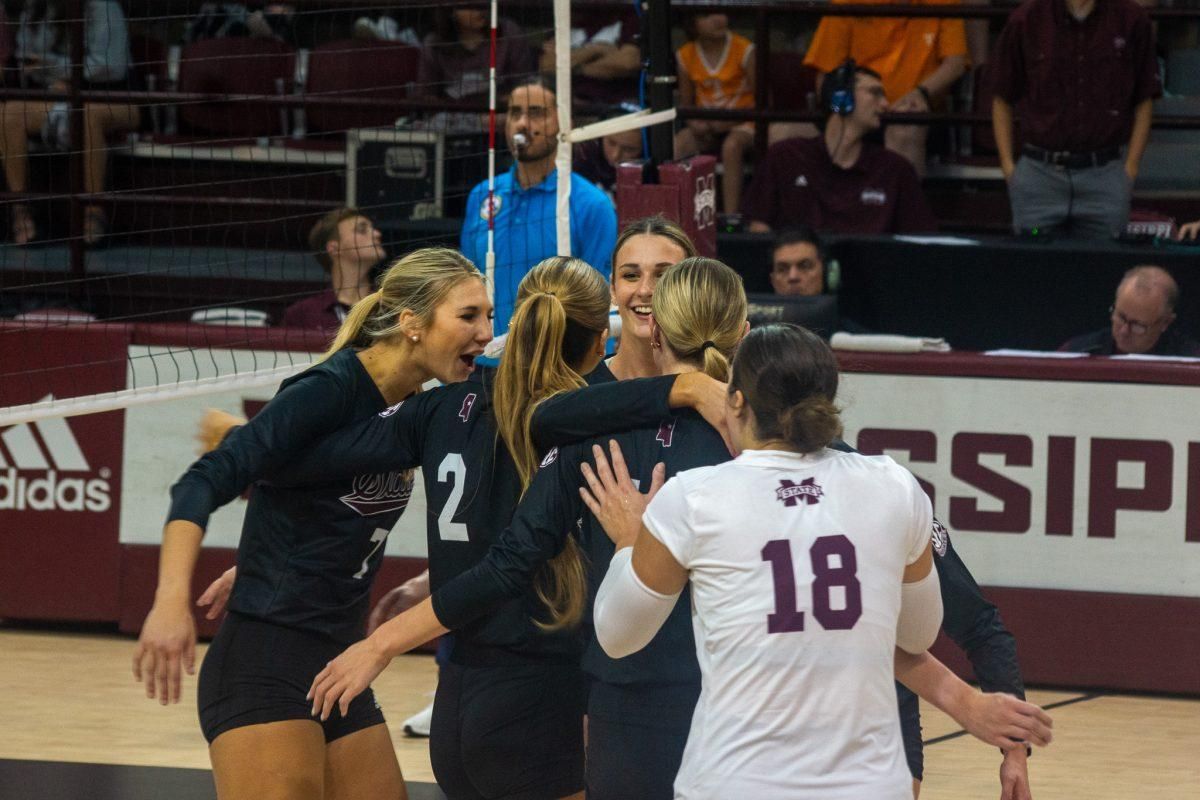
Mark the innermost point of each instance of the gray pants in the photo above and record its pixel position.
(1092, 202)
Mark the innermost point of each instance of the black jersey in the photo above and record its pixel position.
(307, 557)
(551, 508)
(472, 489)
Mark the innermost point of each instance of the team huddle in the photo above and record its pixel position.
(571, 499)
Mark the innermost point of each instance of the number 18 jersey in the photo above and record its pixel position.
(796, 565)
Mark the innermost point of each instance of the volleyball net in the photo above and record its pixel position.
(166, 162)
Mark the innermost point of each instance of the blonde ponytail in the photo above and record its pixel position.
(562, 307)
(700, 307)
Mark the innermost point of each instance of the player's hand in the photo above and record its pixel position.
(611, 496)
(166, 647)
(213, 427)
(216, 596)
(399, 600)
(346, 677)
(1189, 231)
(1014, 775)
(1006, 722)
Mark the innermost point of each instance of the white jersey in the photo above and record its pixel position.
(796, 565)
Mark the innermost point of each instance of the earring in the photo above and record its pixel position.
(416, 338)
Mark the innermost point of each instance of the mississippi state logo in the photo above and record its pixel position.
(549, 459)
(873, 197)
(489, 207)
(792, 494)
(940, 538)
(464, 413)
(666, 433)
(380, 493)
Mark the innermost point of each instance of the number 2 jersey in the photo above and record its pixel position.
(796, 565)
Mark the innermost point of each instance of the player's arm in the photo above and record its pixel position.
(997, 719)
(547, 514)
(508, 566)
(390, 440)
(595, 411)
(295, 416)
(920, 605)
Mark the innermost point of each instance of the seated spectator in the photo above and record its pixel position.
(605, 58)
(1141, 318)
(43, 56)
(1189, 231)
(347, 246)
(918, 58)
(455, 56)
(715, 69)
(231, 20)
(597, 159)
(798, 263)
(838, 181)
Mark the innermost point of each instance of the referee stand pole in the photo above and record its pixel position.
(660, 77)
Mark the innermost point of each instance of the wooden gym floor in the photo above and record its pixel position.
(74, 725)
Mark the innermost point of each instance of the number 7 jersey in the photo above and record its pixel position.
(796, 564)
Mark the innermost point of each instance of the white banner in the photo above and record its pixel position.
(160, 445)
(1048, 484)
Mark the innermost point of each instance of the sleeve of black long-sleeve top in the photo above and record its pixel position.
(974, 624)
(601, 409)
(390, 440)
(546, 516)
(294, 418)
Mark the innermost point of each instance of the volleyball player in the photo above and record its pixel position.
(307, 558)
(640, 708)
(808, 568)
(507, 714)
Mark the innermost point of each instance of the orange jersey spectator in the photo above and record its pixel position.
(903, 50)
(726, 83)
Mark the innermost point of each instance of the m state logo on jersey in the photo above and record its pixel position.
(32, 470)
(550, 458)
(468, 403)
(807, 491)
(380, 493)
(940, 538)
(666, 433)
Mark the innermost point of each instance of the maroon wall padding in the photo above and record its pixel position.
(60, 480)
(685, 194)
(1144, 643)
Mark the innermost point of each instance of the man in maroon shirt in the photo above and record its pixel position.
(837, 181)
(1083, 75)
(347, 246)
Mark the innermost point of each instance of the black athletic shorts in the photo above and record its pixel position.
(257, 672)
(636, 736)
(910, 729)
(513, 731)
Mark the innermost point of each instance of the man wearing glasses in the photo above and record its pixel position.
(1141, 318)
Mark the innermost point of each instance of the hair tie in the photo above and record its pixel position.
(706, 345)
